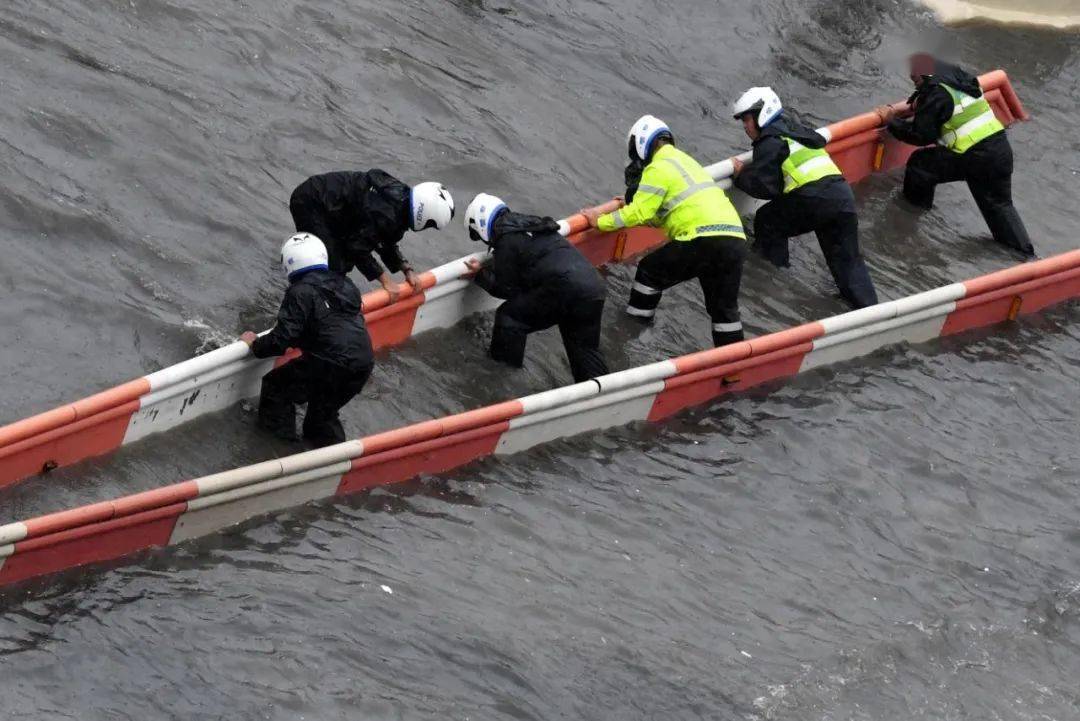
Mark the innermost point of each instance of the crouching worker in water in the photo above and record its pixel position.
(805, 190)
(320, 315)
(706, 233)
(545, 281)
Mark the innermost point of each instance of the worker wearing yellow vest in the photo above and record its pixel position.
(706, 235)
(805, 190)
(969, 144)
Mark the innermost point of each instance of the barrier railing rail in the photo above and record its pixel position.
(176, 513)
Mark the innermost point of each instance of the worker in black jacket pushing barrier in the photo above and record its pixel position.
(356, 214)
(970, 144)
(546, 282)
(321, 316)
(805, 190)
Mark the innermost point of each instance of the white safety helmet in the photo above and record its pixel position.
(643, 133)
(303, 252)
(432, 206)
(481, 214)
(764, 101)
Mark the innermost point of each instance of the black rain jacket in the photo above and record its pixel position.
(529, 254)
(763, 178)
(366, 212)
(933, 105)
(321, 316)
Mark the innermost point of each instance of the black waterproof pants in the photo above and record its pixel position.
(987, 168)
(836, 226)
(577, 316)
(310, 217)
(716, 262)
(325, 387)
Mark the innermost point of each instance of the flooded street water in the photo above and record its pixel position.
(895, 537)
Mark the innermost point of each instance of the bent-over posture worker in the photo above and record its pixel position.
(971, 145)
(805, 190)
(358, 213)
(321, 316)
(545, 280)
(706, 235)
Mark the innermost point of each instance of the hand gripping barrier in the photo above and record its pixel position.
(177, 513)
(220, 378)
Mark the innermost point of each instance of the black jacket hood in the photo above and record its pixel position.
(511, 222)
(954, 77)
(794, 130)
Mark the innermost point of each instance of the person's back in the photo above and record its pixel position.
(695, 206)
(334, 329)
(543, 257)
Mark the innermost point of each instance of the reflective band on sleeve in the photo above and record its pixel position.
(617, 219)
(727, 327)
(640, 312)
(651, 190)
(645, 290)
(721, 228)
(968, 128)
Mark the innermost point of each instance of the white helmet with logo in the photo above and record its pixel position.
(481, 214)
(644, 133)
(763, 101)
(432, 206)
(303, 252)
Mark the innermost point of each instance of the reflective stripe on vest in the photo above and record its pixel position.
(692, 188)
(805, 165)
(972, 121)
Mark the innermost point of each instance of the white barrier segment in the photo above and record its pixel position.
(825, 133)
(461, 298)
(917, 327)
(206, 515)
(619, 380)
(214, 391)
(319, 457)
(615, 409)
(454, 269)
(12, 533)
(858, 318)
(564, 228)
(544, 400)
(236, 477)
(929, 298)
(198, 365)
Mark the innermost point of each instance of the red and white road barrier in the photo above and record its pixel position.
(218, 379)
(177, 513)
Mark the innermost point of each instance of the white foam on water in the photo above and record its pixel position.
(1060, 14)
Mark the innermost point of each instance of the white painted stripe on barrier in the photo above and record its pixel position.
(454, 269)
(448, 308)
(615, 409)
(231, 353)
(448, 287)
(825, 133)
(564, 228)
(929, 298)
(322, 457)
(6, 551)
(236, 477)
(12, 532)
(857, 318)
(658, 371)
(544, 400)
(917, 327)
(207, 515)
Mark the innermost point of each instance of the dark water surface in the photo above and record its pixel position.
(892, 538)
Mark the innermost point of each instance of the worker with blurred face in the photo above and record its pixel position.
(805, 190)
(967, 142)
